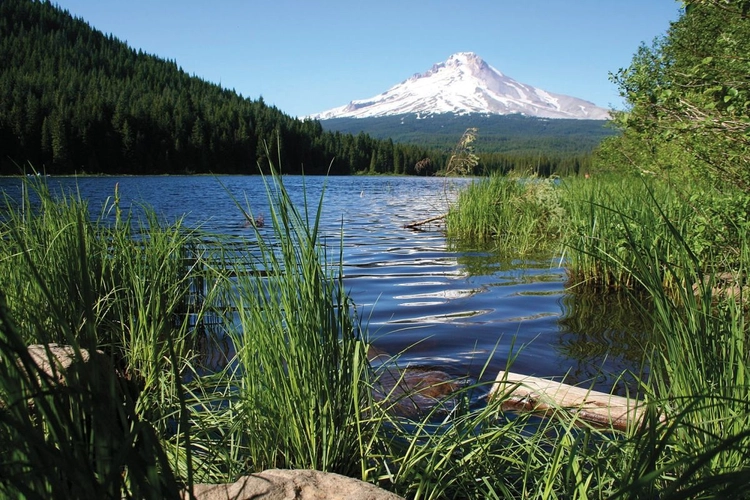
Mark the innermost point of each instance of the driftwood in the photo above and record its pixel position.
(419, 224)
(412, 389)
(526, 393)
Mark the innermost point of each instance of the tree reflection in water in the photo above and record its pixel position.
(606, 335)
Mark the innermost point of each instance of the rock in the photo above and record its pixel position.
(62, 356)
(277, 484)
(411, 391)
(725, 285)
(59, 366)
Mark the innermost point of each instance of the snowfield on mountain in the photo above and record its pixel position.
(465, 84)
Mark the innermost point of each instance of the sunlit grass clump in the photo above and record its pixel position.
(593, 222)
(515, 215)
(69, 279)
(686, 248)
(699, 362)
(293, 393)
(604, 216)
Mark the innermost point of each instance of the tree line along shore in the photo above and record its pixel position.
(74, 100)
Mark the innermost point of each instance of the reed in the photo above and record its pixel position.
(121, 287)
(149, 314)
(601, 213)
(296, 390)
(675, 245)
(51, 238)
(587, 222)
(607, 215)
(72, 279)
(519, 216)
(83, 438)
(460, 450)
(700, 363)
(680, 246)
(297, 384)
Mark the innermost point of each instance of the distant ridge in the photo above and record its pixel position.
(465, 84)
(512, 134)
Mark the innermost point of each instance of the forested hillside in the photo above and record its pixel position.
(513, 134)
(75, 100)
(504, 142)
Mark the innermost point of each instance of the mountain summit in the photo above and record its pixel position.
(466, 84)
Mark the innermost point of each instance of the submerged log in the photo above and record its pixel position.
(527, 393)
(411, 391)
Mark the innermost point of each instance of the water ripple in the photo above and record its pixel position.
(416, 296)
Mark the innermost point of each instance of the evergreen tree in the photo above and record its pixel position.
(71, 97)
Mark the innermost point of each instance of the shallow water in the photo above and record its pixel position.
(438, 306)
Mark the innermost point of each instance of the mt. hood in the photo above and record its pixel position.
(466, 84)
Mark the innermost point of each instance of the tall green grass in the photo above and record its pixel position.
(483, 451)
(682, 246)
(694, 440)
(676, 244)
(591, 222)
(606, 216)
(700, 363)
(293, 395)
(116, 282)
(44, 237)
(94, 283)
(87, 439)
(519, 216)
(296, 391)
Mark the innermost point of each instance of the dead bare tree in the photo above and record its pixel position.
(462, 162)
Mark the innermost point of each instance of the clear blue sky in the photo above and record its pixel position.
(310, 56)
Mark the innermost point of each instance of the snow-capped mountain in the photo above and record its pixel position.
(466, 84)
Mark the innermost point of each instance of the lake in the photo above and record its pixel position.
(441, 305)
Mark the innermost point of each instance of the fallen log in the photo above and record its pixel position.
(419, 224)
(527, 393)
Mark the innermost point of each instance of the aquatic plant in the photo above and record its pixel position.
(517, 215)
(296, 388)
(88, 436)
(676, 245)
(293, 394)
(700, 364)
(121, 286)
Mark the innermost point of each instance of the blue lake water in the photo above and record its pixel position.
(439, 306)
